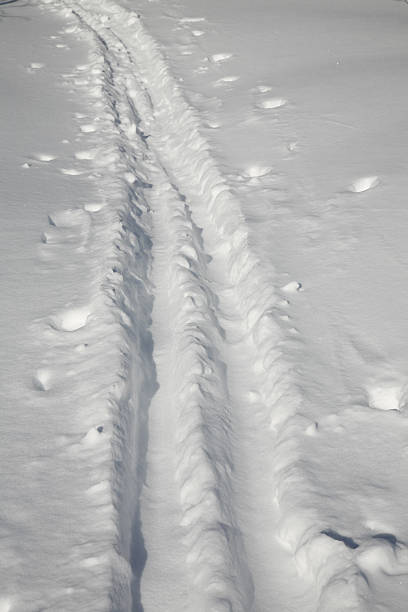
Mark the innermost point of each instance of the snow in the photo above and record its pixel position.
(204, 367)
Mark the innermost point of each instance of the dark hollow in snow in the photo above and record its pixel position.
(349, 542)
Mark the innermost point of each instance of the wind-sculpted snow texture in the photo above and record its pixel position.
(209, 476)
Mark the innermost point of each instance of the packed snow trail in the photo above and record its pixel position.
(221, 306)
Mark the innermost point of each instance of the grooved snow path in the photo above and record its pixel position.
(199, 544)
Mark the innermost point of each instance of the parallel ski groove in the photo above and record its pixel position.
(200, 401)
(157, 129)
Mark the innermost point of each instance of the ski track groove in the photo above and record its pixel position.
(218, 294)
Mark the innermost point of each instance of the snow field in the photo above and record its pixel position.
(277, 227)
(58, 526)
(193, 447)
(149, 104)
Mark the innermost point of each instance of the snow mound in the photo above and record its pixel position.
(364, 184)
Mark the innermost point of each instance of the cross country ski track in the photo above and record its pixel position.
(207, 412)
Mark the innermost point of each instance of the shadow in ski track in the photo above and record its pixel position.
(5, 12)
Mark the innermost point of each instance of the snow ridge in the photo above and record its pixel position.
(201, 406)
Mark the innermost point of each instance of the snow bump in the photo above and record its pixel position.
(217, 58)
(364, 183)
(43, 379)
(271, 103)
(385, 397)
(292, 287)
(71, 319)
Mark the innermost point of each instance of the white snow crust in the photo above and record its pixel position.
(204, 368)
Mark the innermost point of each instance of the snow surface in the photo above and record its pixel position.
(204, 368)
